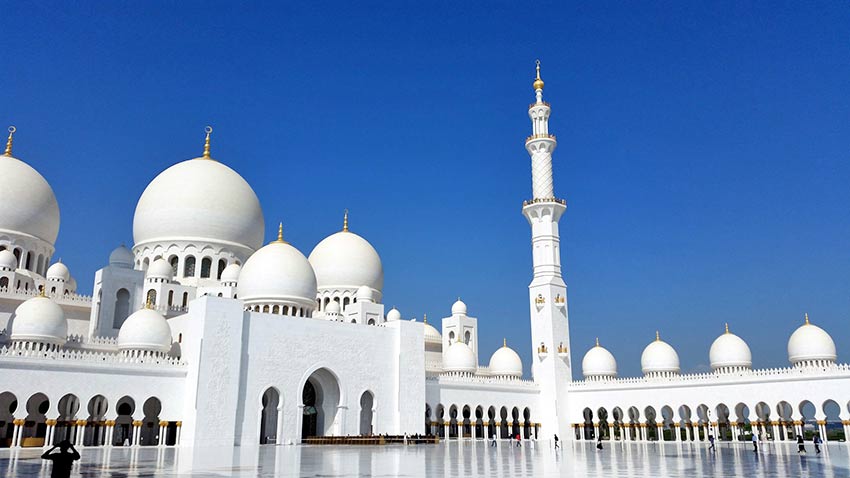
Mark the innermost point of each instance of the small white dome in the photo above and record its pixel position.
(599, 362)
(364, 294)
(659, 357)
(346, 260)
(729, 350)
(333, 307)
(505, 362)
(432, 335)
(459, 358)
(121, 257)
(277, 272)
(231, 273)
(459, 308)
(27, 203)
(160, 269)
(199, 200)
(39, 320)
(8, 261)
(810, 342)
(393, 315)
(146, 330)
(58, 271)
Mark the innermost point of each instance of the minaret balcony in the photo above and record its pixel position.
(544, 200)
(540, 136)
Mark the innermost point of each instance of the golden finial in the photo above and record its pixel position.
(149, 303)
(807, 318)
(280, 233)
(597, 341)
(504, 342)
(657, 336)
(538, 83)
(208, 129)
(42, 291)
(424, 317)
(345, 221)
(727, 327)
(8, 152)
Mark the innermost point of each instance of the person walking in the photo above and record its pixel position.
(755, 443)
(599, 442)
(556, 442)
(493, 439)
(801, 445)
(711, 446)
(817, 441)
(62, 460)
(518, 441)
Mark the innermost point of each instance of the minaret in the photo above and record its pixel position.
(551, 368)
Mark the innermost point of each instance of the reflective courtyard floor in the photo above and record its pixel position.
(452, 459)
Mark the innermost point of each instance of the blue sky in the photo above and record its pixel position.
(703, 149)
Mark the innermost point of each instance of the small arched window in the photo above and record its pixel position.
(221, 265)
(189, 267)
(174, 261)
(276, 309)
(185, 299)
(170, 298)
(371, 322)
(4, 282)
(206, 265)
(152, 296)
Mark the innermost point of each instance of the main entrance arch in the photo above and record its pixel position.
(320, 399)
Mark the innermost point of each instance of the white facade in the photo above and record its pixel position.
(200, 335)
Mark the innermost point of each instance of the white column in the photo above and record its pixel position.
(136, 433)
(180, 427)
(16, 434)
(596, 430)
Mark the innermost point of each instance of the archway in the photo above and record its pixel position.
(466, 431)
(503, 428)
(651, 425)
(786, 421)
(667, 427)
(588, 424)
(832, 421)
(634, 423)
(479, 422)
(686, 429)
(724, 431)
(95, 431)
(270, 403)
(602, 420)
(617, 414)
(8, 405)
(428, 431)
(704, 422)
(526, 423)
(35, 426)
(320, 398)
(121, 309)
(763, 429)
(122, 433)
(441, 421)
(491, 422)
(367, 404)
(809, 426)
(742, 420)
(453, 422)
(150, 423)
(66, 422)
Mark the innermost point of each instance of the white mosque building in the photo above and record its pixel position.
(201, 335)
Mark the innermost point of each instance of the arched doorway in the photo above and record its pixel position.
(150, 424)
(123, 431)
(269, 416)
(320, 399)
(35, 426)
(95, 431)
(66, 422)
(367, 403)
(8, 405)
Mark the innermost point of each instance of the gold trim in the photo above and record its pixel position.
(8, 152)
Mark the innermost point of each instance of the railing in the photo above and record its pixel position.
(88, 356)
(544, 103)
(72, 298)
(371, 440)
(450, 377)
(540, 136)
(732, 377)
(542, 200)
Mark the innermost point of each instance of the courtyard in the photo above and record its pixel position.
(460, 458)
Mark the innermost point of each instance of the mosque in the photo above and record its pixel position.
(201, 335)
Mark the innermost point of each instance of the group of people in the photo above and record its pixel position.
(801, 444)
(516, 439)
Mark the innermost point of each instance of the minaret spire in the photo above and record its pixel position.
(345, 221)
(540, 145)
(208, 130)
(8, 152)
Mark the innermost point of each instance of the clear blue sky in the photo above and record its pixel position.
(703, 150)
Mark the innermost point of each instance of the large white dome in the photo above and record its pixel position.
(810, 342)
(146, 330)
(459, 358)
(729, 350)
(599, 362)
(347, 261)
(199, 200)
(505, 362)
(659, 357)
(277, 272)
(39, 320)
(27, 203)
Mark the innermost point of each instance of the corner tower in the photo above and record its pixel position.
(551, 367)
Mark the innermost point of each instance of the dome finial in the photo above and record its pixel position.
(657, 336)
(8, 152)
(280, 233)
(208, 129)
(727, 327)
(345, 221)
(42, 291)
(424, 318)
(597, 341)
(807, 318)
(538, 83)
(149, 303)
(504, 342)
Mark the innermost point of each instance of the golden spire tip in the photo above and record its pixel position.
(727, 327)
(424, 317)
(538, 82)
(208, 130)
(345, 221)
(8, 152)
(280, 233)
(42, 291)
(597, 341)
(657, 336)
(504, 342)
(807, 318)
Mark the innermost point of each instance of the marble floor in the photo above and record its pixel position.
(452, 459)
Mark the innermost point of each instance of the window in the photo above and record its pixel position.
(206, 265)
(189, 267)
(122, 308)
(4, 282)
(151, 297)
(174, 260)
(221, 265)
(185, 299)
(170, 298)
